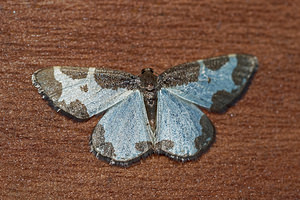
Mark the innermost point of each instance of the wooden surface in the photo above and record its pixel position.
(45, 155)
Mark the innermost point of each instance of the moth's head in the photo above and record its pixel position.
(148, 78)
(148, 70)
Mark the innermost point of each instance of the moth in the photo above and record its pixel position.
(148, 114)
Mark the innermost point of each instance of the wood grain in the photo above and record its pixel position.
(45, 155)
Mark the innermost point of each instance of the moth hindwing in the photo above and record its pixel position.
(148, 113)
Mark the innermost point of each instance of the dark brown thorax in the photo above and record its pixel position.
(148, 87)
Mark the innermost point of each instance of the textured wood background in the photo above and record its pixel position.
(45, 155)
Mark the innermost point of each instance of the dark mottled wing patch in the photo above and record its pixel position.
(97, 141)
(83, 92)
(47, 85)
(113, 79)
(215, 64)
(180, 75)
(208, 131)
(164, 144)
(219, 81)
(75, 72)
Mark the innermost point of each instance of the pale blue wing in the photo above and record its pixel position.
(212, 83)
(123, 135)
(183, 131)
(83, 92)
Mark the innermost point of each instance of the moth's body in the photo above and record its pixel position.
(148, 113)
(149, 86)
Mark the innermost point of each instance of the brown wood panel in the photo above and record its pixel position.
(45, 155)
